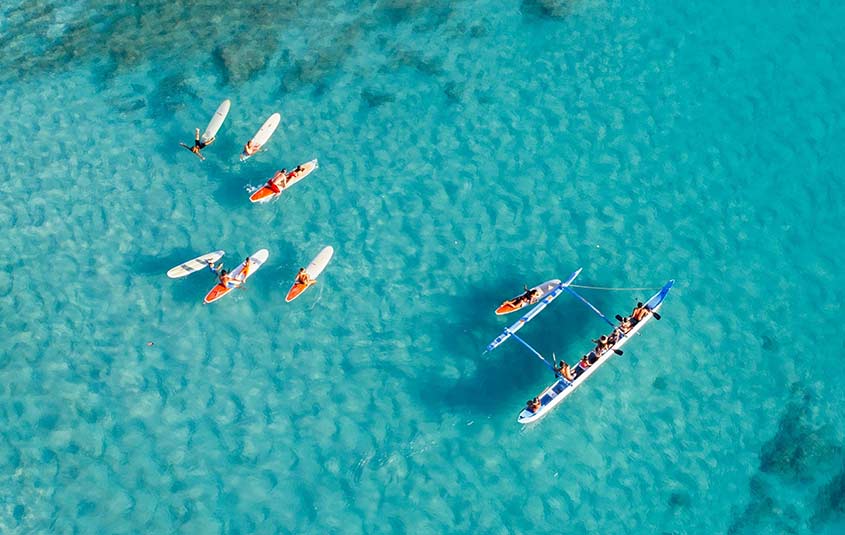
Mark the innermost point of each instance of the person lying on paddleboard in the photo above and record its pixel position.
(198, 145)
(245, 271)
(529, 297)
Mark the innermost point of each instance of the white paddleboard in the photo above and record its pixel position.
(216, 121)
(263, 135)
(313, 270)
(256, 260)
(320, 262)
(194, 265)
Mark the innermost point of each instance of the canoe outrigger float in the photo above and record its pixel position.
(561, 388)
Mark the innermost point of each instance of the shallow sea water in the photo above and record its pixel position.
(465, 148)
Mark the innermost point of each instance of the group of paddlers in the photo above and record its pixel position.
(604, 343)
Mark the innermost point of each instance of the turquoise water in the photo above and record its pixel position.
(465, 149)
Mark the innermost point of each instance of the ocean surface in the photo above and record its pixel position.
(466, 148)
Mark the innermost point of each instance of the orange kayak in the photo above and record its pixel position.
(266, 193)
(511, 306)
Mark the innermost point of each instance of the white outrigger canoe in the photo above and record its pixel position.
(555, 393)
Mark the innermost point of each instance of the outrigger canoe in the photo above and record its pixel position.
(561, 388)
(255, 262)
(508, 306)
(266, 193)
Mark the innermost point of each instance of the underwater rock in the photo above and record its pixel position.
(240, 59)
(374, 99)
(801, 452)
(830, 501)
(797, 450)
(553, 9)
(172, 93)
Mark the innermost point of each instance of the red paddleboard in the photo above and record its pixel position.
(266, 193)
(255, 261)
(508, 306)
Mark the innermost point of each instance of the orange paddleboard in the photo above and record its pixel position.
(255, 261)
(266, 193)
(313, 270)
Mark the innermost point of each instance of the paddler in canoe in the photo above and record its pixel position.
(602, 344)
(585, 362)
(639, 313)
(199, 145)
(565, 371)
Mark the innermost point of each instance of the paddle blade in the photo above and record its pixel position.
(618, 351)
(618, 318)
(656, 315)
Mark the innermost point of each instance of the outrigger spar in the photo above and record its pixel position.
(561, 388)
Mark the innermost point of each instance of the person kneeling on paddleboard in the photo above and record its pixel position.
(303, 278)
(279, 181)
(224, 278)
(529, 297)
(245, 271)
(251, 148)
